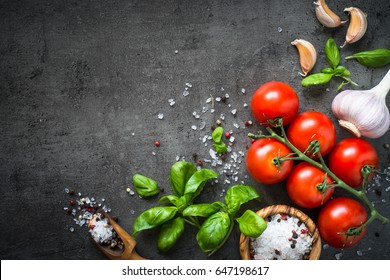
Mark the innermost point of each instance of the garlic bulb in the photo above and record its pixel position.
(364, 112)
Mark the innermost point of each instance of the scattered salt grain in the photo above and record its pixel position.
(243, 90)
(202, 125)
(208, 100)
(176, 51)
(218, 99)
(160, 116)
(246, 105)
(194, 127)
(189, 85)
(71, 229)
(280, 29)
(171, 101)
(186, 93)
(234, 112)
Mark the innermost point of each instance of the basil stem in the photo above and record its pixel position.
(373, 58)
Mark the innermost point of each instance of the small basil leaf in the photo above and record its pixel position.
(201, 210)
(145, 186)
(238, 195)
(339, 70)
(316, 79)
(217, 134)
(181, 172)
(219, 145)
(172, 199)
(213, 231)
(170, 233)
(327, 71)
(332, 53)
(153, 217)
(372, 58)
(251, 224)
(197, 181)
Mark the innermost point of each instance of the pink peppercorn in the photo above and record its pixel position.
(157, 143)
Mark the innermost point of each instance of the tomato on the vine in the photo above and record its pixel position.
(262, 161)
(336, 217)
(274, 100)
(309, 126)
(349, 156)
(302, 186)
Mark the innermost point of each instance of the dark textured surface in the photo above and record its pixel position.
(79, 78)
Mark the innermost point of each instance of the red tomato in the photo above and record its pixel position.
(273, 100)
(310, 126)
(260, 161)
(336, 217)
(301, 186)
(348, 158)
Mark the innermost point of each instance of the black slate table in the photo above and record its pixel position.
(82, 84)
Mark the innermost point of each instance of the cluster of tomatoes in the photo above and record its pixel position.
(345, 159)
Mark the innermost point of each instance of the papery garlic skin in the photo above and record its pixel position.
(364, 112)
(357, 27)
(307, 55)
(326, 16)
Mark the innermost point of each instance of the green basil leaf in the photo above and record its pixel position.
(219, 145)
(251, 224)
(238, 195)
(332, 53)
(170, 233)
(213, 231)
(197, 181)
(372, 58)
(145, 186)
(172, 199)
(327, 71)
(316, 79)
(217, 134)
(201, 210)
(153, 217)
(181, 172)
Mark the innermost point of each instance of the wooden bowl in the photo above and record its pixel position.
(284, 209)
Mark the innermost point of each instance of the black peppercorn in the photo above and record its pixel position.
(292, 246)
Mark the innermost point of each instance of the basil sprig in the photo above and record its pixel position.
(214, 221)
(373, 58)
(335, 70)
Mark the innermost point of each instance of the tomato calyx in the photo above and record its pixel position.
(367, 171)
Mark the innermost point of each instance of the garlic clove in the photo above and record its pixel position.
(357, 27)
(326, 16)
(307, 55)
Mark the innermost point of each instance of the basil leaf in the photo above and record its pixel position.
(316, 79)
(238, 195)
(328, 71)
(145, 186)
(213, 231)
(170, 233)
(219, 145)
(332, 53)
(251, 224)
(153, 217)
(172, 199)
(201, 210)
(181, 172)
(197, 181)
(372, 58)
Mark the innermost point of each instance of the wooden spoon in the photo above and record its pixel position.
(128, 252)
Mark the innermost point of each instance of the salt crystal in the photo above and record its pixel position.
(154, 153)
(177, 158)
(71, 229)
(189, 85)
(160, 116)
(236, 125)
(194, 127)
(222, 89)
(234, 112)
(227, 95)
(338, 255)
(202, 125)
(243, 90)
(171, 101)
(131, 192)
(359, 253)
(212, 110)
(133, 134)
(280, 29)
(213, 154)
(205, 109)
(132, 212)
(67, 190)
(222, 116)
(176, 51)
(218, 99)
(208, 100)
(231, 139)
(246, 105)
(186, 93)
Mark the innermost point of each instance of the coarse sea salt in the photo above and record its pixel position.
(282, 239)
(100, 230)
